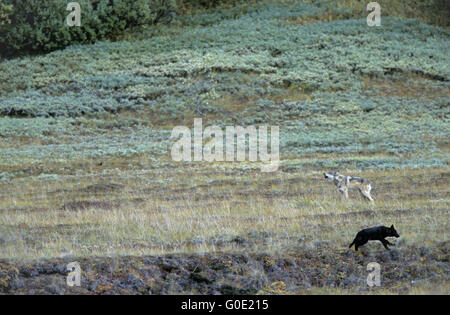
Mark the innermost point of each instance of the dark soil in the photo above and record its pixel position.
(300, 270)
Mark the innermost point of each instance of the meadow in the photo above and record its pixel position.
(86, 172)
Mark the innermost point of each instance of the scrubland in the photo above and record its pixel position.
(86, 173)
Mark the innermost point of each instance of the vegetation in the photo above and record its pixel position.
(429, 11)
(35, 26)
(286, 227)
(41, 25)
(85, 165)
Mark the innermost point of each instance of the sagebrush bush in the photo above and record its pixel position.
(335, 87)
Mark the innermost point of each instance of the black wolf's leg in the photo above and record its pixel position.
(385, 243)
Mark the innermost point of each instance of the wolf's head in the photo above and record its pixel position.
(335, 177)
(392, 232)
(331, 175)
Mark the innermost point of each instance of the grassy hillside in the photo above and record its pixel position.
(85, 165)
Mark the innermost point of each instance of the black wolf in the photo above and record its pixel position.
(377, 233)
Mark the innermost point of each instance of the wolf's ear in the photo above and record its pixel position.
(392, 226)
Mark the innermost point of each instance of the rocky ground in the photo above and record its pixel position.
(306, 269)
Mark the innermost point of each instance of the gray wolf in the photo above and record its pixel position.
(377, 233)
(344, 183)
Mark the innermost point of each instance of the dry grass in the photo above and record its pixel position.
(257, 212)
(215, 209)
(413, 86)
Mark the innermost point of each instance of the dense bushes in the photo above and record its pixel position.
(40, 26)
(37, 25)
(376, 97)
(5, 11)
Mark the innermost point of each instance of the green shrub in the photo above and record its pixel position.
(40, 26)
(208, 4)
(5, 11)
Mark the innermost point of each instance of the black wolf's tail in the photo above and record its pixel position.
(351, 244)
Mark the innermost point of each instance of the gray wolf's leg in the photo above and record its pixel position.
(366, 194)
(344, 192)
